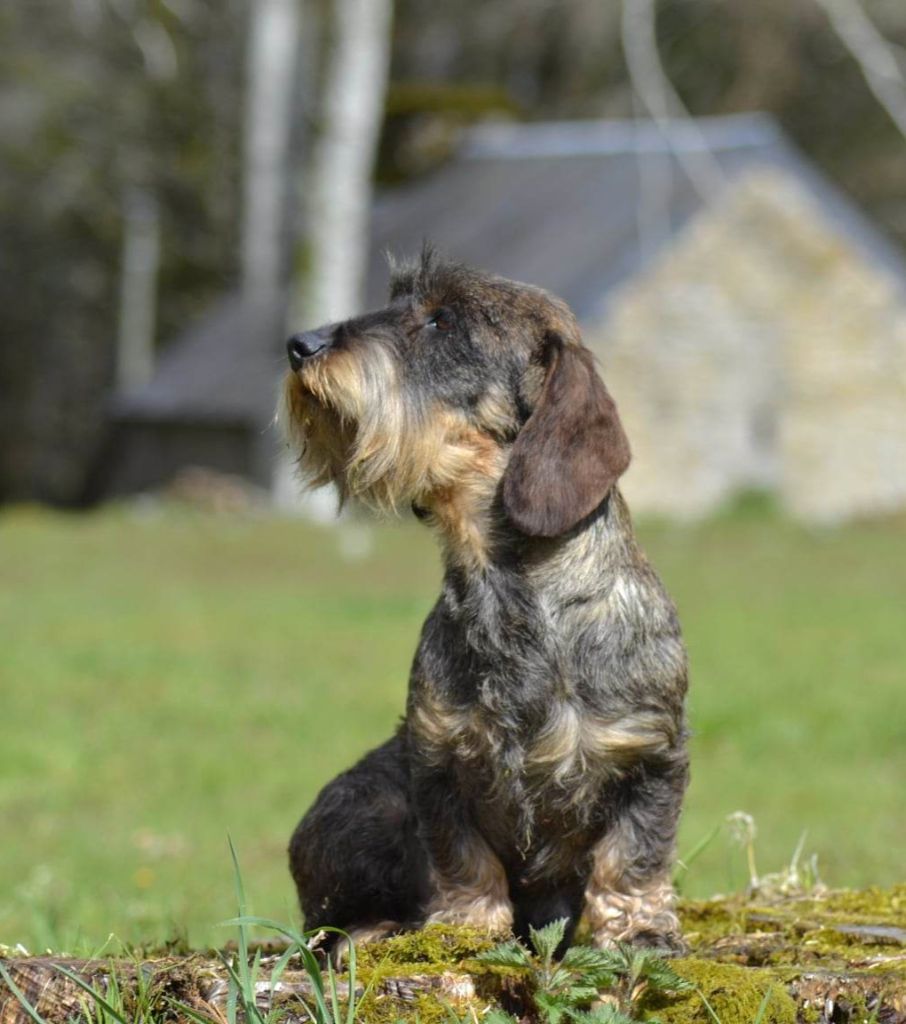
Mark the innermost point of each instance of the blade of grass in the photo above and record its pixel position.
(240, 902)
(192, 1013)
(232, 1001)
(708, 1006)
(334, 996)
(240, 994)
(684, 863)
(95, 995)
(350, 978)
(764, 1005)
(280, 966)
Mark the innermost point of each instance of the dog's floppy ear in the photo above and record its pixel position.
(570, 451)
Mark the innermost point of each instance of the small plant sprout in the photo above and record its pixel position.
(326, 1001)
(566, 989)
(798, 877)
(743, 833)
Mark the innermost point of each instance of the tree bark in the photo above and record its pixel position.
(340, 184)
(270, 95)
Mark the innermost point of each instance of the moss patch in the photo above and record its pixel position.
(384, 1009)
(734, 993)
(435, 948)
(835, 930)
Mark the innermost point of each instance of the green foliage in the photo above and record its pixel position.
(325, 1005)
(568, 988)
(88, 119)
(143, 1005)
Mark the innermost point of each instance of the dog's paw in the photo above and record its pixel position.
(665, 944)
(486, 914)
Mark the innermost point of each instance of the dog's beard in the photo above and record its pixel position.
(352, 425)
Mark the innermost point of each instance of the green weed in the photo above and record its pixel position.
(566, 989)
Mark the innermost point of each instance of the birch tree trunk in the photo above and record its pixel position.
(340, 185)
(338, 203)
(273, 44)
(138, 290)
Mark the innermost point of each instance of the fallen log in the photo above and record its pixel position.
(829, 959)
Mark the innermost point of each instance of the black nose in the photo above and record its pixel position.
(303, 346)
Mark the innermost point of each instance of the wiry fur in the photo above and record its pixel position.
(541, 764)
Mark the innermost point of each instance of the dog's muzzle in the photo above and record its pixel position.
(302, 347)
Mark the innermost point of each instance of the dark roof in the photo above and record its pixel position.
(225, 367)
(553, 204)
(558, 204)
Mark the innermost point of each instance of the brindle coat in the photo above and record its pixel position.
(541, 763)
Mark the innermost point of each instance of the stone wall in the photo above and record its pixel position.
(761, 349)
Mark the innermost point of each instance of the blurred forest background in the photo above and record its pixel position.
(173, 671)
(110, 103)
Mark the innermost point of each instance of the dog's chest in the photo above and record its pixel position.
(521, 694)
(555, 754)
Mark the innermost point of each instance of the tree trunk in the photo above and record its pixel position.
(270, 96)
(138, 290)
(340, 192)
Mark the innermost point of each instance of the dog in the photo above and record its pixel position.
(540, 766)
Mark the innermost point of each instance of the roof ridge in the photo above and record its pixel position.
(500, 140)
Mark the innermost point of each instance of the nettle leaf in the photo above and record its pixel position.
(557, 980)
(545, 940)
(508, 954)
(606, 1013)
(497, 1016)
(661, 975)
(600, 979)
(617, 959)
(624, 957)
(582, 993)
(587, 958)
(554, 1007)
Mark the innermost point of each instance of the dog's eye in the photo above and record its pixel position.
(441, 320)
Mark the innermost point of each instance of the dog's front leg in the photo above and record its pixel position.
(630, 895)
(468, 884)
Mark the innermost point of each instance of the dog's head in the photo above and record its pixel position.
(464, 384)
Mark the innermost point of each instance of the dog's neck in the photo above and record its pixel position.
(480, 546)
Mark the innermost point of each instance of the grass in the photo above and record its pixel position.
(168, 678)
(105, 1001)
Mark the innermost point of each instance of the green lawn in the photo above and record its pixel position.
(169, 679)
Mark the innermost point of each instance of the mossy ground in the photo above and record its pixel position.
(837, 930)
(846, 947)
(834, 958)
(734, 993)
(434, 950)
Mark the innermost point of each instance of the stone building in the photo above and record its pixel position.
(763, 348)
(749, 320)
